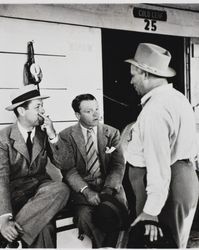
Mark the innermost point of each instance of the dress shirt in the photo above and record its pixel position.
(163, 133)
(93, 133)
(24, 132)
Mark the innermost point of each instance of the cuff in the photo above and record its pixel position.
(82, 189)
(154, 205)
(8, 215)
(54, 140)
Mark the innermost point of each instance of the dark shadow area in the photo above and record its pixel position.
(121, 102)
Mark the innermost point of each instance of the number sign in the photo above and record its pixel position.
(150, 17)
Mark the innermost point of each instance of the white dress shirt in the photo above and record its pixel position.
(163, 133)
(24, 132)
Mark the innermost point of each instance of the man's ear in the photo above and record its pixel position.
(21, 110)
(77, 115)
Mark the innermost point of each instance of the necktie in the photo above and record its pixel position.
(29, 144)
(93, 165)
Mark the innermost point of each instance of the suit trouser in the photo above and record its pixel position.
(83, 217)
(85, 225)
(179, 209)
(36, 215)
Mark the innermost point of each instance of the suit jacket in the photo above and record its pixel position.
(17, 172)
(71, 152)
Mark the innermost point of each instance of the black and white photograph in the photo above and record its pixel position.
(99, 124)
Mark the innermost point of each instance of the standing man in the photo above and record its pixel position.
(163, 143)
(29, 197)
(96, 164)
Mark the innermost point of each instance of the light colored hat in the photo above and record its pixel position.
(25, 93)
(153, 59)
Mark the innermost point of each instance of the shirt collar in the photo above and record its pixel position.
(85, 129)
(155, 91)
(24, 131)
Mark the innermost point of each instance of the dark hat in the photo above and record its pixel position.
(138, 239)
(110, 215)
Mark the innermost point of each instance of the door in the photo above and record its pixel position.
(121, 102)
(194, 76)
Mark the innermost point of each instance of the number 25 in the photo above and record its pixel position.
(150, 25)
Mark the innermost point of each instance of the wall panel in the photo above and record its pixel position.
(113, 16)
(70, 58)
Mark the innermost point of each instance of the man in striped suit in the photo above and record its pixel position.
(95, 166)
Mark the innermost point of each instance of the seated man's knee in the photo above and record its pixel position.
(85, 214)
(61, 189)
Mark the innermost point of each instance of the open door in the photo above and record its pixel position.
(121, 102)
(194, 77)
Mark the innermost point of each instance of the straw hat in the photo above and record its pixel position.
(25, 93)
(153, 59)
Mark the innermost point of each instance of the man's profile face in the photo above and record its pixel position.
(89, 113)
(31, 114)
(137, 80)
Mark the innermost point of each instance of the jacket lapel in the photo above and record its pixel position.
(19, 143)
(79, 140)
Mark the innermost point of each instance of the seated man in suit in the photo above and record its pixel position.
(96, 165)
(29, 197)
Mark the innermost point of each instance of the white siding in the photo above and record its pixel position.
(70, 58)
(112, 16)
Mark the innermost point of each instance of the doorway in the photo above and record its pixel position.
(121, 102)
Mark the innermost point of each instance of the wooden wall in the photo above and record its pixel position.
(67, 42)
(112, 16)
(71, 61)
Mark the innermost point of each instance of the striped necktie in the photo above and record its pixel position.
(93, 165)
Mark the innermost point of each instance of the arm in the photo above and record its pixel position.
(116, 164)
(8, 227)
(4, 180)
(64, 154)
(155, 131)
(59, 150)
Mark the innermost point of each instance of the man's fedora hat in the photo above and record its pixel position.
(153, 59)
(110, 215)
(24, 94)
(138, 239)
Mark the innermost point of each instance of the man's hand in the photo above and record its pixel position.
(48, 125)
(92, 197)
(110, 190)
(150, 230)
(107, 190)
(10, 230)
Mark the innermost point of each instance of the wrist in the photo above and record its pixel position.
(52, 136)
(83, 189)
(4, 219)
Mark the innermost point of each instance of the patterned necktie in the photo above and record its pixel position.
(93, 165)
(29, 144)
